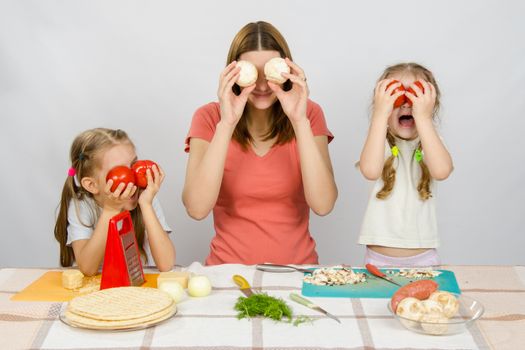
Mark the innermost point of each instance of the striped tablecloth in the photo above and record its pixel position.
(211, 323)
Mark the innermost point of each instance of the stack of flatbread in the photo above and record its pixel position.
(120, 308)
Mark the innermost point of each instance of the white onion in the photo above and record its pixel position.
(174, 289)
(199, 286)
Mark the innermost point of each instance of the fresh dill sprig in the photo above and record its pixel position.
(262, 304)
(302, 319)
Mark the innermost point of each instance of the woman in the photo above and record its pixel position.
(259, 158)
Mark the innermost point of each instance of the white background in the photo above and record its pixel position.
(145, 66)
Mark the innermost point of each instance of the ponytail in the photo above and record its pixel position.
(389, 172)
(424, 182)
(67, 257)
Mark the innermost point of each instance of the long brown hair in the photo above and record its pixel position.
(85, 155)
(389, 172)
(259, 36)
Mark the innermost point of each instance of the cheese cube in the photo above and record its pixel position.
(72, 279)
(181, 277)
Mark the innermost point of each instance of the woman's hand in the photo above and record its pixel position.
(294, 100)
(232, 105)
(422, 104)
(384, 100)
(154, 182)
(116, 200)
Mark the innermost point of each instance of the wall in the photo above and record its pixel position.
(66, 66)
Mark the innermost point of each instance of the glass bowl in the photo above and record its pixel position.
(469, 311)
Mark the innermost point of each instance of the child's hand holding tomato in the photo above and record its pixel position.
(422, 95)
(154, 176)
(386, 93)
(117, 196)
(139, 168)
(123, 182)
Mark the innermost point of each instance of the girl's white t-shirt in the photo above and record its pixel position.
(402, 220)
(82, 220)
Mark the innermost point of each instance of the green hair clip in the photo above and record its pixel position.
(418, 155)
(395, 151)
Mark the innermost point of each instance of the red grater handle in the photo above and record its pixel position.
(374, 270)
(123, 217)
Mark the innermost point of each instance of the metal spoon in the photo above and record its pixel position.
(282, 268)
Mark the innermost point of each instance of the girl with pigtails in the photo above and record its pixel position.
(89, 201)
(404, 154)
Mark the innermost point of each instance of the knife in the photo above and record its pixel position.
(243, 285)
(378, 273)
(303, 301)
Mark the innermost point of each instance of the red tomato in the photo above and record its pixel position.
(401, 99)
(419, 85)
(120, 174)
(139, 168)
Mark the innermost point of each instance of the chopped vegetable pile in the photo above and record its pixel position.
(415, 273)
(334, 276)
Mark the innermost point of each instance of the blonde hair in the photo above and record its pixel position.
(259, 36)
(85, 155)
(389, 172)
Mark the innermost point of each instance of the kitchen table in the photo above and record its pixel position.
(211, 323)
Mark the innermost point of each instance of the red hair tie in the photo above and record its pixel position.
(71, 172)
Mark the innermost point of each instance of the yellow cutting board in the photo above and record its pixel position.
(49, 288)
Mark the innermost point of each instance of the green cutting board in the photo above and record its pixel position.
(375, 287)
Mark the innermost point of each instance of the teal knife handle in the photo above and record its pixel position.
(299, 299)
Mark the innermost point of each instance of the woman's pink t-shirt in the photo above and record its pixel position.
(261, 214)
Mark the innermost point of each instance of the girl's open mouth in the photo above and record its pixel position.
(261, 94)
(406, 121)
